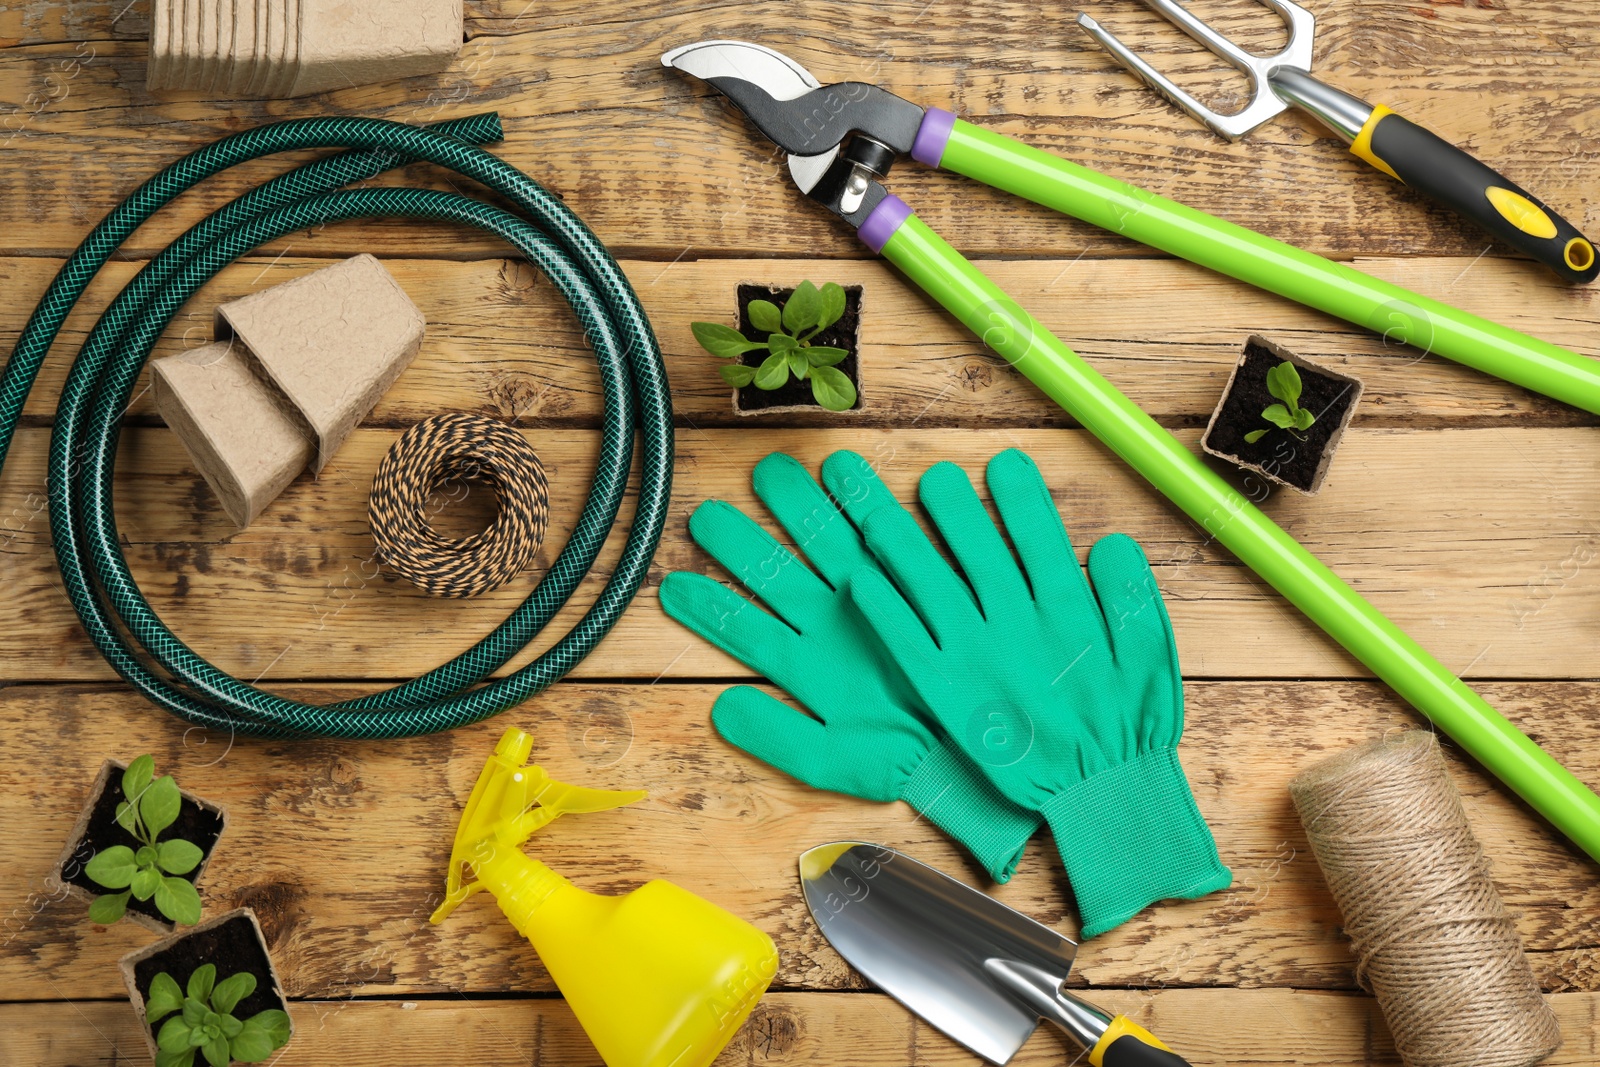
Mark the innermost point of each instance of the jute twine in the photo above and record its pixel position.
(467, 448)
(1433, 940)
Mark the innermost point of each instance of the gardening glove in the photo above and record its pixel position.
(868, 734)
(1069, 698)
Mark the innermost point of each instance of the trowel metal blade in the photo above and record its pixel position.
(925, 938)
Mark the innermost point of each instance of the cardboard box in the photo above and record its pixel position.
(294, 370)
(331, 342)
(237, 430)
(280, 48)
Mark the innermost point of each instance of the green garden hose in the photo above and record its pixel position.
(88, 419)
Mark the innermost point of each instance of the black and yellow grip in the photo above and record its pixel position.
(1404, 150)
(1127, 1044)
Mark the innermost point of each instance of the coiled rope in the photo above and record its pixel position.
(458, 448)
(83, 446)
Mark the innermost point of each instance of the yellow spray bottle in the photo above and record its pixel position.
(658, 977)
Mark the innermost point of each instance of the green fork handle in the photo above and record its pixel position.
(1395, 312)
(1226, 515)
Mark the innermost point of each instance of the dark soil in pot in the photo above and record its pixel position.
(842, 334)
(1294, 457)
(197, 824)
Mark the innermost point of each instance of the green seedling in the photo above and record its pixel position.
(1283, 382)
(148, 807)
(789, 330)
(206, 1024)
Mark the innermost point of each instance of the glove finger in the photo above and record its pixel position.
(732, 623)
(965, 524)
(1136, 618)
(1035, 528)
(899, 545)
(759, 563)
(815, 524)
(775, 733)
(897, 626)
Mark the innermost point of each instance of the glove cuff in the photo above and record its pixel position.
(1130, 836)
(957, 798)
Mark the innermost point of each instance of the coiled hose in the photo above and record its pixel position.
(88, 420)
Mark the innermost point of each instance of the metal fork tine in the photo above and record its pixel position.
(1197, 28)
(1264, 103)
(1146, 73)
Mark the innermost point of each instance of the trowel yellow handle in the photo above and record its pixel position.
(1127, 1044)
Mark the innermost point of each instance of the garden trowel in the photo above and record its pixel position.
(983, 973)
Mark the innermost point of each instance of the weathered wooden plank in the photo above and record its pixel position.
(1264, 1027)
(500, 340)
(342, 847)
(659, 165)
(1479, 542)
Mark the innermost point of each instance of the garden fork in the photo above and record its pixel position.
(1399, 148)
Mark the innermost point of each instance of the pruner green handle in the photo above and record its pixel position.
(1236, 523)
(1398, 314)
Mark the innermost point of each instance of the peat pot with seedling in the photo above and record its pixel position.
(795, 349)
(139, 847)
(209, 995)
(1281, 416)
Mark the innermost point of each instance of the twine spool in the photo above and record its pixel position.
(470, 448)
(1433, 940)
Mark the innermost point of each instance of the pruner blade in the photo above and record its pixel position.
(813, 123)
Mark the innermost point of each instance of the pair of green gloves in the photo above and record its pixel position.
(988, 698)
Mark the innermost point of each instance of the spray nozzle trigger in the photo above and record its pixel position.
(508, 805)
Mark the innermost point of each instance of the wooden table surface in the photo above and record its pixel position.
(1466, 509)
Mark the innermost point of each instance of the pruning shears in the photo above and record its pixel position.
(841, 141)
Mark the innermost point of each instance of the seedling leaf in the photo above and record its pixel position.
(202, 981)
(765, 316)
(158, 807)
(803, 309)
(145, 882)
(773, 372)
(1278, 415)
(226, 996)
(138, 776)
(164, 997)
(832, 388)
(175, 1059)
(823, 356)
(799, 366)
(737, 374)
(177, 899)
(177, 856)
(1253, 436)
(127, 816)
(1303, 418)
(253, 1043)
(275, 1023)
(782, 342)
(216, 1050)
(112, 867)
(108, 909)
(722, 340)
(1288, 389)
(832, 305)
(174, 1035)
